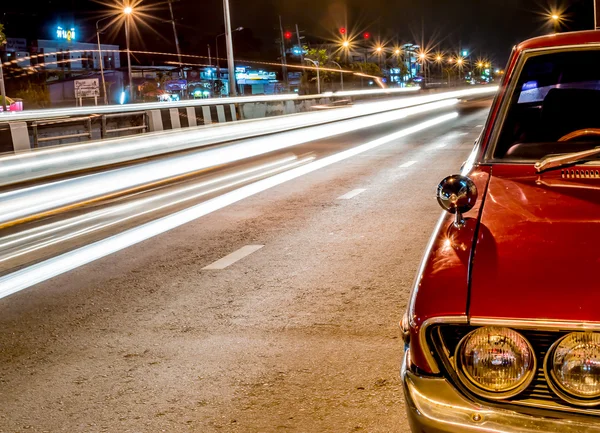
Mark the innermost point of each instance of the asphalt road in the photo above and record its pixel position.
(299, 335)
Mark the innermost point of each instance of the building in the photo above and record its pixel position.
(63, 52)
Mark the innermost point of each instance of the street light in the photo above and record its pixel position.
(318, 75)
(423, 59)
(128, 11)
(101, 59)
(239, 29)
(556, 19)
(341, 73)
(460, 62)
(229, 46)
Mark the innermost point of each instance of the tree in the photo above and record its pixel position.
(367, 68)
(35, 95)
(323, 58)
(2, 35)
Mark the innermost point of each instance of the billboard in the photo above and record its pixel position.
(89, 88)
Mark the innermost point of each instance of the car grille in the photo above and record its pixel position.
(538, 394)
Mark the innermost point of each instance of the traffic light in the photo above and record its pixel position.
(367, 35)
(288, 35)
(342, 30)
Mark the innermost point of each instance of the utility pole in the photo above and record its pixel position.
(209, 57)
(2, 91)
(230, 60)
(283, 56)
(300, 45)
(129, 74)
(175, 33)
(101, 62)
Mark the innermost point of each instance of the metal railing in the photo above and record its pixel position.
(104, 131)
(87, 122)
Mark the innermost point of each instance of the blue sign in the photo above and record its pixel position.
(66, 34)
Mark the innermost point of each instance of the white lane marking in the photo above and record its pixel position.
(479, 126)
(408, 164)
(351, 194)
(42, 271)
(462, 134)
(236, 256)
(441, 146)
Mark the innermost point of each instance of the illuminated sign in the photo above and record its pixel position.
(69, 35)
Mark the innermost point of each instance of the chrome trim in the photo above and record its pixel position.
(539, 324)
(457, 320)
(477, 389)
(434, 405)
(488, 156)
(557, 387)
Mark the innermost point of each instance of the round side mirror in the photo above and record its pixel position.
(457, 194)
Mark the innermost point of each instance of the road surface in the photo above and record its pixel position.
(278, 313)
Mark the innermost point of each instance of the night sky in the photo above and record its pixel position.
(488, 27)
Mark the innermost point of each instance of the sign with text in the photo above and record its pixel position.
(65, 34)
(89, 88)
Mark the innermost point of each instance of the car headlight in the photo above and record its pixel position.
(495, 362)
(573, 367)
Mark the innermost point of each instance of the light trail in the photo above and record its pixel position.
(47, 199)
(45, 270)
(18, 238)
(62, 159)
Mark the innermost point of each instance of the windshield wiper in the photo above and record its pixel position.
(551, 162)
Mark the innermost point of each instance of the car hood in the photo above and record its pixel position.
(537, 254)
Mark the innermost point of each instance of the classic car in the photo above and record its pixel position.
(502, 329)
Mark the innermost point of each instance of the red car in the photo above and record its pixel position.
(503, 327)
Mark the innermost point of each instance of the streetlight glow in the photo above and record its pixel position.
(128, 10)
(555, 17)
(346, 44)
(397, 52)
(379, 49)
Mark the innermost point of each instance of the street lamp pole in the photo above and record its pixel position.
(229, 45)
(318, 75)
(341, 73)
(239, 29)
(101, 60)
(175, 33)
(2, 90)
(127, 11)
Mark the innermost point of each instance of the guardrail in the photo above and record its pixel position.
(29, 166)
(122, 120)
(107, 109)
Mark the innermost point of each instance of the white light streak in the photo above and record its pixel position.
(45, 270)
(27, 202)
(63, 159)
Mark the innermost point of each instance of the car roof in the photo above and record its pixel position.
(560, 40)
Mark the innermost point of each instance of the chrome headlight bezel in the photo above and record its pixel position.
(489, 393)
(555, 384)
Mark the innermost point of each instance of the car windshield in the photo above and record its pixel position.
(556, 95)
